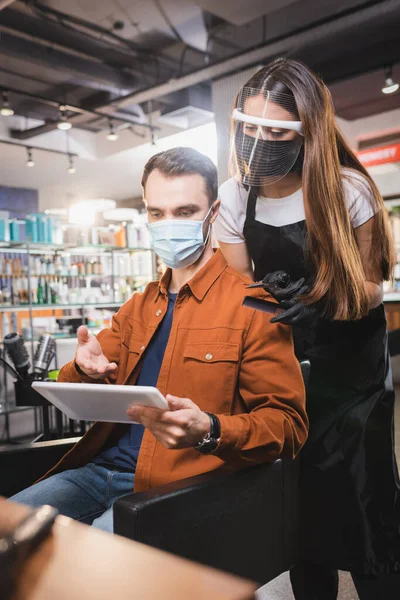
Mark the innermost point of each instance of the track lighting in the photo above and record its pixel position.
(5, 110)
(111, 136)
(63, 123)
(390, 86)
(30, 162)
(71, 168)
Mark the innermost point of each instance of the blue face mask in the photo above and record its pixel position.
(179, 243)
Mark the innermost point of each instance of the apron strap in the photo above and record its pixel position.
(251, 205)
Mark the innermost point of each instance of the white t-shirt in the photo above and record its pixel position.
(278, 212)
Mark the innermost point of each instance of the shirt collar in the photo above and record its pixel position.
(202, 280)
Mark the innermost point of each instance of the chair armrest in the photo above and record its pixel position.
(243, 522)
(23, 464)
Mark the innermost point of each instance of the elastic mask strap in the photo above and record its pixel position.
(209, 227)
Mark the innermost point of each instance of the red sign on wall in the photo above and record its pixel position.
(380, 155)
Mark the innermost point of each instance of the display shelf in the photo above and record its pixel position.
(391, 297)
(40, 247)
(26, 307)
(90, 276)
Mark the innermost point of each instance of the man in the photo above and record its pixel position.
(233, 385)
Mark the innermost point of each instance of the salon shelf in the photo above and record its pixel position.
(40, 247)
(391, 297)
(25, 307)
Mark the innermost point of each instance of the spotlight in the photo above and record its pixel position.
(390, 86)
(30, 162)
(6, 110)
(71, 168)
(63, 124)
(111, 136)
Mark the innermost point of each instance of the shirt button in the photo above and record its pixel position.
(209, 356)
(142, 348)
(158, 313)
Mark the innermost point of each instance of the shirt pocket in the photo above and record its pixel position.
(210, 373)
(131, 350)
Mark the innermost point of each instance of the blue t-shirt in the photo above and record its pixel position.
(125, 454)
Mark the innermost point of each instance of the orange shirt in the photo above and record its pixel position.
(228, 359)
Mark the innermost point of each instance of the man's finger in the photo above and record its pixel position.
(83, 335)
(176, 403)
(137, 412)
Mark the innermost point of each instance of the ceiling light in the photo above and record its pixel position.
(82, 214)
(101, 204)
(111, 136)
(120, 214)
(30, 162)
(71, 168)
(6, 110)
(390, 86)
(63, 123)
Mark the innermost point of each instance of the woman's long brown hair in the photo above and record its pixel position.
(339, 284)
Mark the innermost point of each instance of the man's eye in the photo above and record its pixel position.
(155, 215)
(185, 213)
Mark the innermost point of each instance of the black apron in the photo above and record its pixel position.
(350, 491)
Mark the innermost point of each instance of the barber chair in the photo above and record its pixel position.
(245, 522)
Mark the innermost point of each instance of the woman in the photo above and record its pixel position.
(304, 212)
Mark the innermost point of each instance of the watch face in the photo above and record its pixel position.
(207, 446)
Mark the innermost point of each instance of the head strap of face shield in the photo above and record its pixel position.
(237, 115)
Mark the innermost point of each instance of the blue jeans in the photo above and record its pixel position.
(85, 494)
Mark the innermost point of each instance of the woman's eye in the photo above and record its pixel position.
(277, 133)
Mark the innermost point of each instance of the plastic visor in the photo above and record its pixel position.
(267, 138)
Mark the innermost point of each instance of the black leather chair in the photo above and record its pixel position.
(245, 523)
(23, 464)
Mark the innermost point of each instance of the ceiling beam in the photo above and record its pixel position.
(71, 64)
(312, 34)
(10, 143)
(70, 40)
(79, 111)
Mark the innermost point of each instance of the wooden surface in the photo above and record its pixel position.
(78, 562)
(392, 310)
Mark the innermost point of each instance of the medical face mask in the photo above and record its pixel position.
(179, 242)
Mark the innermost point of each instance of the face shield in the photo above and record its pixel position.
(267, 139)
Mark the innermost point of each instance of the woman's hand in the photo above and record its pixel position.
(279, 285)
(296, 313)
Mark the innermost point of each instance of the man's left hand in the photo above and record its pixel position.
(182, 426)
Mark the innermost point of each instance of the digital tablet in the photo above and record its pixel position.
(99, 401)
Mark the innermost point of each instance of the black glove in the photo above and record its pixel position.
(278, 284)
(296, 313)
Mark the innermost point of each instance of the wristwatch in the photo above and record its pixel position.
(211, 440)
